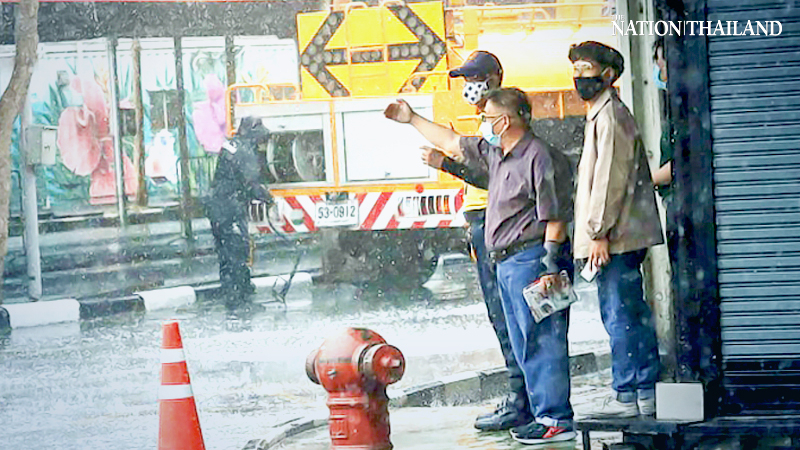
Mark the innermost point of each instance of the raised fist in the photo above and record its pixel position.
(399, 111)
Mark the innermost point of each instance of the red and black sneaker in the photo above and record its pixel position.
(536, 433)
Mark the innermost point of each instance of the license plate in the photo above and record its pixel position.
(336, 214)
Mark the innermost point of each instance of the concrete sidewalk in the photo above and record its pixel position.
(448, 427)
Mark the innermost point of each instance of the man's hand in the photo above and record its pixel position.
(663, 176)
(548, 282)
(549, 276)
(598, 253)
(399, 111)
(433, 156)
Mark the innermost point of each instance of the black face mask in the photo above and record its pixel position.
(589, 87)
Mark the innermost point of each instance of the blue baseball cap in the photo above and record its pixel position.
(479, 64)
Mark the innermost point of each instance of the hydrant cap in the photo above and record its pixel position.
(384, 363)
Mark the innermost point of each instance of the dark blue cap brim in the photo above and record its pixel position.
(468, 70)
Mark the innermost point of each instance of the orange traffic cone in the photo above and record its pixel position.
(179, 426)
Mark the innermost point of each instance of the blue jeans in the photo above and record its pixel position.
(487, 275)
(540, 348)
(629, 323)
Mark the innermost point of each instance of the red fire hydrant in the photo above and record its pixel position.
(355, 366)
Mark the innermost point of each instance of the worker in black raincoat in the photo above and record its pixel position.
(237, 182)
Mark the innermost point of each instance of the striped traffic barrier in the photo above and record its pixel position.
(33, 314)
(179, 426)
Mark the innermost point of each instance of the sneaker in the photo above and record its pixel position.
(510, 400)
(615, 408)
(497, 409)
(507, 415)
(647, 406)
(535, 433)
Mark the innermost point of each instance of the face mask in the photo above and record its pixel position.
(487, 131)
(589, 87)
(657, 78)
(474, 91)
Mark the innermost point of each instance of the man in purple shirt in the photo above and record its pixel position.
(530, 191)
(482, 72)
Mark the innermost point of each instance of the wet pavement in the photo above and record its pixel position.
(438, 428)
(94, 384)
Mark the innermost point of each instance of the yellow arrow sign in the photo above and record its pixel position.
(370, 51)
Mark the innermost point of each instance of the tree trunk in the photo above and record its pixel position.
(138, 139)
(26, 37)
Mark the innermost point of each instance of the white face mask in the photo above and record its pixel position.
(474, 91)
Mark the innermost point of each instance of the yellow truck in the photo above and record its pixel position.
(335, 165)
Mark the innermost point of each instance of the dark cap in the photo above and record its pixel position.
(480, 63)
(252, 128)
(602, 54)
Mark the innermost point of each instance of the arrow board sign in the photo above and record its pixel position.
(387, 43)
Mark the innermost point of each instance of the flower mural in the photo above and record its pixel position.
(86, 145)
(209, 116)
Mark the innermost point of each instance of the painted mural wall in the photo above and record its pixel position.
(70, 90)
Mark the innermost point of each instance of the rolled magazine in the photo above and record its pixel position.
(559, 297)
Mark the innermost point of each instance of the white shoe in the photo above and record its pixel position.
(615, 408)
(647, 406)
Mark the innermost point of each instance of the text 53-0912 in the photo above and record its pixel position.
(336, 214)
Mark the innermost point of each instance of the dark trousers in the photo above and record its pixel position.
(487, 275)
(629, 322)
(232, 245)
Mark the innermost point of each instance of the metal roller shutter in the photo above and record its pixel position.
(755, 114)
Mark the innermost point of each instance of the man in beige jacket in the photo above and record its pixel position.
(616, 221)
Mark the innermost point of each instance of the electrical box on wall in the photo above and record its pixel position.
(40, 145)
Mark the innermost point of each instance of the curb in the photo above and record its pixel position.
(458, 389)
(27, 314)
(91, 309)
(476, 386)
(285, 431)
(32, 314)
(167, 298)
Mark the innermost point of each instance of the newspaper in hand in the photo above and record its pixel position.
(559, 297)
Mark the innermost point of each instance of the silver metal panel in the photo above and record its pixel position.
(755, 118)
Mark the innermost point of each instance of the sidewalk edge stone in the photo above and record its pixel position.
(98, 307)
(5, 319)
(38, 313)
(285, 431)
(91, 309)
